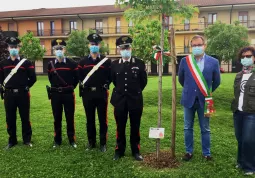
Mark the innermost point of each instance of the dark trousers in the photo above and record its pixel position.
(58, 102)
(12, 101)
(90, 106)
(121, 116)
(244, 124)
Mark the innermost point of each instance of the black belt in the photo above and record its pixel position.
(16, 90)
(62, 89)
(94, 89)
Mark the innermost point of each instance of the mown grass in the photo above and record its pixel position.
(43, 161)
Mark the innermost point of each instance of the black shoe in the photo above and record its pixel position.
(138, 157)
(73, 144)
(55, 145)
(28, 144)
(207, 158)
(103, 148)
(90, 146)
(116, 156)
(10, 145)
(187, 157)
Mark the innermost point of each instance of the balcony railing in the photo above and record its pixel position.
(189, 26)
(202, 26)
(50, 32)
(248, 23)
(183, 50)
(49, 52)
(111, 30)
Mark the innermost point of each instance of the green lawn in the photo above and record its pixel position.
(43, 161)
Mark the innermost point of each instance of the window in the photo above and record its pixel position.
(243, 18)
(52, 28)
(42, 43)
(118, 25)
(186, 45)
(99, 26)
(11, 26)
(168, 22)
(40, 28)
(171, 22)
(186, 24)
(212, 18)
(73, 25)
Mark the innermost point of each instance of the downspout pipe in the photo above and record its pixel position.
(81, 21)
(17, 26)
(231, 10)
(230, 20)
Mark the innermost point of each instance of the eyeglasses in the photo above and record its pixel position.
(122, 47)
(94, 44)
(59, 48)
(197, 45)
(125, 48)
(13, 46)
(247, 56)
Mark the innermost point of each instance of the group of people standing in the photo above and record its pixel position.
(199, 75)
(94, 73)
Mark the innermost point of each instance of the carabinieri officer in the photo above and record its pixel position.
(63, 77)
(16, 92)
(94, 92)
(129, 78)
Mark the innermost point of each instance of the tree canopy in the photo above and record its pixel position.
(31, 47)
(77, 44)
(225, 40)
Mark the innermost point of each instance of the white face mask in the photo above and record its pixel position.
(125, 53)
(59, 53)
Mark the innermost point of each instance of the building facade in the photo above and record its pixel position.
(108, 21)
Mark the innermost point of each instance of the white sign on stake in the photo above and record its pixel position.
(157, 133)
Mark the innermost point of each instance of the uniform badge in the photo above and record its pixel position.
(59, 41)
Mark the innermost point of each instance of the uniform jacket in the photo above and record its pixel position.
(67, 70)
(25, 76)
(98, 79)
(129, 81)
(190, 90)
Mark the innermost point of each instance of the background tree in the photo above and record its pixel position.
(77, 44)
(145, 35)
(225, 40)
(31, 48)
(140, 10)
(4, 53)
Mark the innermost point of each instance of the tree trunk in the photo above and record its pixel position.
(174, 61)
(160, 84)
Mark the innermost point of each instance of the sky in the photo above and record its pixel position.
(13, 5)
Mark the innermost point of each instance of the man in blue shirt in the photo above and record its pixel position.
(193, 99)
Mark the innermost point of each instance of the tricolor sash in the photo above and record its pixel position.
(202, 85)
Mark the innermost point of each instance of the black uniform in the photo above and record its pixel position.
(95, 96)
(62, 96)
(17, 96)
(129, 79)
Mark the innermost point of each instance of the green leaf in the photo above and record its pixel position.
(31, 47)
(225, 40)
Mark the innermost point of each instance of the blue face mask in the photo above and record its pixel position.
(247, 62)
(125, 53)
(94, 49)
(197, 50)
(14, 52)
(59, 53)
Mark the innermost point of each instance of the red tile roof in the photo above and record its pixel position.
(61, 11)
(218, 2)
(106, 9)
